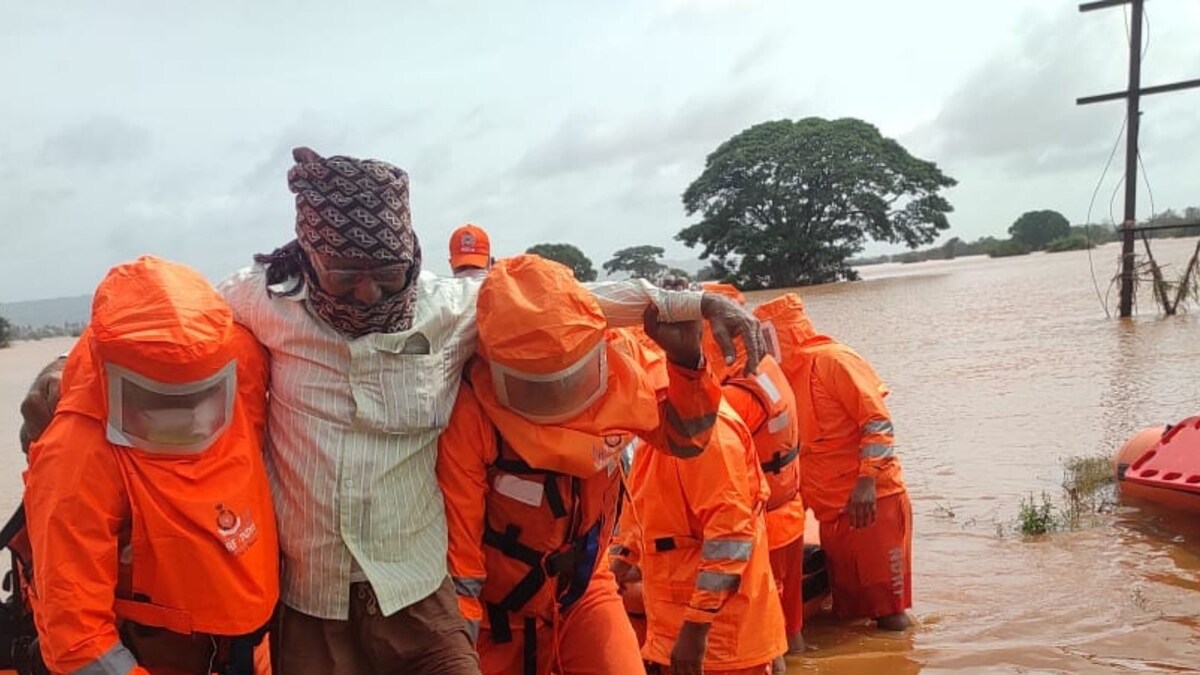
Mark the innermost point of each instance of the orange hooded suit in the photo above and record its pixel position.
(695, 528)
(766, 404)
(845, 432)
(147, 498)
(531, 502)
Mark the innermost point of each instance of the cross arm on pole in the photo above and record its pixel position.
(1145, 91)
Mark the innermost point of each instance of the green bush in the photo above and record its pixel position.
(1009, 247)
(1074, 242)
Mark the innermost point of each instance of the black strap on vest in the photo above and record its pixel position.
(553, 497)
(781, 459)
(531, 646)
(502, 634)
(498, 622)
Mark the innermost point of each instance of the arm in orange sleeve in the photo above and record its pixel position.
(254, 376)
(860, 391)
(465, 449)
(76, 507)
(717, 486)
(627, 543)
(688, 413)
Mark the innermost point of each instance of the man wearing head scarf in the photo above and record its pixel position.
(528, 467)
(366, 358)
(850, 475)
(149, 510)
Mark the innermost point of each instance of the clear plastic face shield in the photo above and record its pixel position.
(771, 340)
(554, 397)
(169, 418)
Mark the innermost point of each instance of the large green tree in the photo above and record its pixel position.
(5, 332)
(568, 255)
(640, 261)
(787, 202)
(1035, 229)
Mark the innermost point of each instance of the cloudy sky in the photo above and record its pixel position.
(132, 127)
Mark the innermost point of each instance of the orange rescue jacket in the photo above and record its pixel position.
(766, 404)
(182, 542)
(529, 519)
(702, 549)
(845, 426)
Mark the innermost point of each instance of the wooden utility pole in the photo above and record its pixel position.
(1132, 97)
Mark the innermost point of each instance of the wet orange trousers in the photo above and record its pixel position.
(594, 637)
(870, 569)
(787, 566)
(754, 670)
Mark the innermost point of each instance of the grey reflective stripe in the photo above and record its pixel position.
(726, 549)
(718, 581)
(473, 630)
(878, 427)
(876, 450)
(116, 661)
(471, 587)
(690, 427)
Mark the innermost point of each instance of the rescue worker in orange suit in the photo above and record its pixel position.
(149, 512)
(695, 532)
(529, 467)
(766, 404)
(851, 477)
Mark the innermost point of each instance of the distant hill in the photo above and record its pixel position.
(52, 312)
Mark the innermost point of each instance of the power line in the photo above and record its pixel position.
(1087, 222)
(1132, 96)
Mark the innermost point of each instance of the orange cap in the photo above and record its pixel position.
(470, 247)
(728, 290)
(535, 318)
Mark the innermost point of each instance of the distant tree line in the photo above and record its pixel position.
(1044, 231)
(10, 332)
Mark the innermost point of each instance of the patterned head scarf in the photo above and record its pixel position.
(356, 209)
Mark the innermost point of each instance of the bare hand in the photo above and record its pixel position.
(39, 404)
(619, 568)
(729, 320)
(680, 340)
(861, 505)
(687, 657)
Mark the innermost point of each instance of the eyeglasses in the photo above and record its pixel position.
(388, 275)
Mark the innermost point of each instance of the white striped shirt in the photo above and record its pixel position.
(353, 428)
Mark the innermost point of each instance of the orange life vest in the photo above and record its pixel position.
(545, 533)
(777, 438)
(555, 492)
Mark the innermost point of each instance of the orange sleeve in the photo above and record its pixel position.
(626, 543)
(254, 374)
(717, 487)
(76, 507)
(688, 413)
(465, 450)
(746, 405)
(860, 391)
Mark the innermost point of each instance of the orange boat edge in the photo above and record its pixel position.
(1161, 465)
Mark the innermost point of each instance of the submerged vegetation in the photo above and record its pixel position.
(1087, 491)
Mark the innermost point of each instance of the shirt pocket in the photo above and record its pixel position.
(403, 393)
